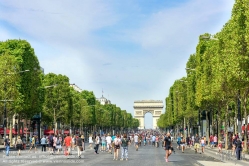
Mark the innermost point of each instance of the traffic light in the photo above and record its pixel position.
(33, 124)
(203, 115)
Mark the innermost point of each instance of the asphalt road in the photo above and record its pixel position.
(146, 156)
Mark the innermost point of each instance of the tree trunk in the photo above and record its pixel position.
(225, 131)
(207, 128)
(246, 123)
(10, 131)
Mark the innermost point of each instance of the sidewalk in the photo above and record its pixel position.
(226, 158)
(215, 150)
(208, 163)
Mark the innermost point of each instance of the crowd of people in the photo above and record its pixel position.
(118, 144)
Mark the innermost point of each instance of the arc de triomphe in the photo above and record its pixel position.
(141, 107)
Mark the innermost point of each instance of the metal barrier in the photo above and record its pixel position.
(227, 155)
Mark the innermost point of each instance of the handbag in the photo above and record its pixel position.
(81, 148)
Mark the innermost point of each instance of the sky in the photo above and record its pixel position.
(126, 50)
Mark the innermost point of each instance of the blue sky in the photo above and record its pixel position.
(133, 49)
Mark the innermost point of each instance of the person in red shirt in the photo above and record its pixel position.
(211, 142)
(67, 143)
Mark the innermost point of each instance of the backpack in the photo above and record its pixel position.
(51, 140)
(116, 142)
(58, 141)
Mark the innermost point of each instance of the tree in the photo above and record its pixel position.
(29, 83)
(58, 104)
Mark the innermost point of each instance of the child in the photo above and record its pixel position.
(220, 146)
(202, 144)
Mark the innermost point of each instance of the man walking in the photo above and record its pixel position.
(79, 143)
(43, 143)
(124, 145)
(238, 145)
(197, 143)
(7, 145)
(109, 143)
(97, 144)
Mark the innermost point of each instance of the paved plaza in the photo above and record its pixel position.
(146, 155)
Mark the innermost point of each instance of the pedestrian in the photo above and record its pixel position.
(144, 138)
(54, 143)
(43, 143)
(124, 147)
(136, 141)
(90, 141)
(73, 142)
(211, 141)
(19, 145)
(167, 146)
(193, 140)
(153, 139)
(215, 140)
(24, 142)
(183, 144)
(103, 143)
(188, 141)
(234, 139)
(96, 147)
(197, 143)
(79, 143)
(33, 144)
(50, 144)
(117, 143)
(220, 147)
(83, 142)
(202, 144)
(7, 145)
(58, 144)
(68, 143)
(109, 143)
(157, 141)
(178, 141)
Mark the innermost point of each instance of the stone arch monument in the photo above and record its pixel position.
(141, 107)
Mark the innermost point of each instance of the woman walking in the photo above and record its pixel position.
(117, 143)
(19, 144)
(90, 141)
(167, 146)
(203, 143)
(183, 144)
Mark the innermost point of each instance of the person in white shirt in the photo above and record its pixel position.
(90, 141)
(109, 143)
(136, 141)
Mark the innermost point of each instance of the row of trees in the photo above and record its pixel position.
(25, 91)
(217, 77)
